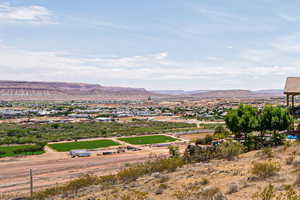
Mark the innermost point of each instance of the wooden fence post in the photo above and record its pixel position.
(31, 183)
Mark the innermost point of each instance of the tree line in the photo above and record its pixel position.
(246, 119)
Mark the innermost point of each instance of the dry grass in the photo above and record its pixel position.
(265, 169)
(127, 175)
(269, 193)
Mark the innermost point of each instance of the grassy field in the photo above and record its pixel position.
(8, 151)
(153, 139)
(67, 146)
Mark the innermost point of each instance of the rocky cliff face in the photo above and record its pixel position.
(59, 90)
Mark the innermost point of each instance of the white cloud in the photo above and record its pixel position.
(19, 64)
(25, 14)
(268, 66)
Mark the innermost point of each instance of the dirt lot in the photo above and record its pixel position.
(54, 167)
(194, 136)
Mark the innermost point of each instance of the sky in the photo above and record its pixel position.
(157, 45)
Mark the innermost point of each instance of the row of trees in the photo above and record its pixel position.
(246, 119)
(31, 148)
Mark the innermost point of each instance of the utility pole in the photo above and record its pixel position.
(31, 183)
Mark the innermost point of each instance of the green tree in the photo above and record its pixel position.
(281, 119)
(242, 120)
(232, 122)
(274, 119)
(265, 119)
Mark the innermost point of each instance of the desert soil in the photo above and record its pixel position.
(57, 167)
(233, 178)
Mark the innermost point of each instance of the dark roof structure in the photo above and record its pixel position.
(292, 86)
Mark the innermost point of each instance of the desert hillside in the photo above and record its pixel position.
(239, 93)
(221, 93)
(22, 90)
(246, 177)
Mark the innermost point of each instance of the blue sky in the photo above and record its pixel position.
(170, 44)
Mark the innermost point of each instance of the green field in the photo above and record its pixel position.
(33, 133)
(8, 151)
(94, 144)
(153, 139)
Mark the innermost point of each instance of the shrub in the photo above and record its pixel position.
(204, 181)
(129, 194)
(131, 173)
(164, 179)
(269, 193)
(222, 135)
(133, 195)
(83, 181)
(163, 186)
(108, 180)
(164, 164)
(190, 191)
(233, 188)
(149, 167)
(219, 129)
(199, 153)
(290, 160)
(219, 135)
(287, 144)
(204, 141)
(278, 138)
(200, 141)
(230, 149)
(174, 151)
(252, 142)
(265, 169)
(267, 152)
(212, 193)
(72, 186)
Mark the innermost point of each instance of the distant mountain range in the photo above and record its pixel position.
(221, 93)
(177, 92)
(25, 90)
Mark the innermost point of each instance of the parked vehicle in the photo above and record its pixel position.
(108, 153)
(79, 153)
(131, 148)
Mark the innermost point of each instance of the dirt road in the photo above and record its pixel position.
(54, 167)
